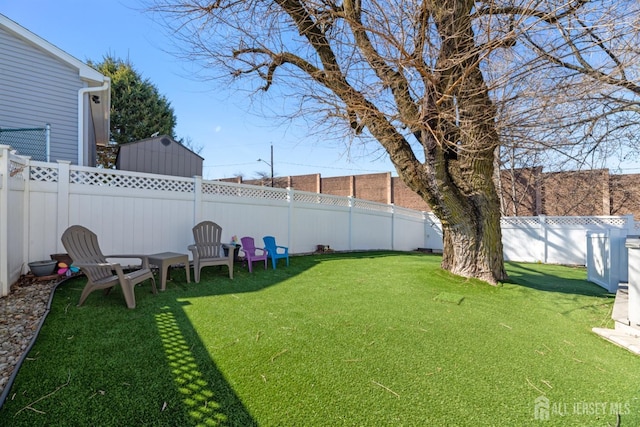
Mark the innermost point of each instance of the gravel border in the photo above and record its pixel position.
(22, 314)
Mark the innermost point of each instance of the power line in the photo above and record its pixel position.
(230, 164)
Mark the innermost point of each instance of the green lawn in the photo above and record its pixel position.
(360, 339)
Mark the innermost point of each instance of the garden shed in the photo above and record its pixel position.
(160, 154)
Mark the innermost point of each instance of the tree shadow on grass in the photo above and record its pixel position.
(549, 278)
(207, 397)
(159, 368)
(145, 366)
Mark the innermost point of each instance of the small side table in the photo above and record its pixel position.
(236, 251)
(164, 260)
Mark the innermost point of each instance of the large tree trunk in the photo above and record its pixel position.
(454, 121)
(473, 246)
(459, 138)
(455, 124)
(460, 143)
(463, 196)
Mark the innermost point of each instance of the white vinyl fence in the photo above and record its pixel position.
(556, 239)
(608, 258)
(146, 213)
(597, 242)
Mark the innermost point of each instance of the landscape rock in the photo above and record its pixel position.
(20, 314)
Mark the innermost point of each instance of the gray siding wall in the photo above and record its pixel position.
(35, 89)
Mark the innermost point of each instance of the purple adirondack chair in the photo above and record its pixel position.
(251, 253)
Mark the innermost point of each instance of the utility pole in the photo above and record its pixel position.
(270, 164)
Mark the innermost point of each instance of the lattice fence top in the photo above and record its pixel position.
(112, 179)
(244, 191)
(43, 174)
(613, 221)
(564, 221)
(520, 221)
(47, 172)
(317, 198)
(372, 206)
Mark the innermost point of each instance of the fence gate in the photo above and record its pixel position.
(32, 142)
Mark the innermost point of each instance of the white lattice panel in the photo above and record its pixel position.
(43, 174)
(279, 195)
(333, 201)
(129, 181)
(519, 221)
(218, 189)
(371, 206)
(586, 220)
(244, 191)
(306, 197)
(322, 199)
(262, 193)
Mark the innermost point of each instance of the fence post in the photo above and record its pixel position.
(4, 220)
(26, 226)
(630, 224)
(544, 238)
(290, 199)
(197, 199)
(351, 203)
(393, 226)
(425, 228)
(63, 199)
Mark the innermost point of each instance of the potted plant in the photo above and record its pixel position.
(43, 268)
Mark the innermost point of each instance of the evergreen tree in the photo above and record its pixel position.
(138, 110)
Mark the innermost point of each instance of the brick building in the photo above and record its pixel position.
(524, 192)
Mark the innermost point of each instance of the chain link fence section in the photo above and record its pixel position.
(32, 142)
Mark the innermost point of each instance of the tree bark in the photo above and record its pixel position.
(460, 140)
(473, 246)
(457, 130)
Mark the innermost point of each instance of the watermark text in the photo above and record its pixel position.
(544, 409)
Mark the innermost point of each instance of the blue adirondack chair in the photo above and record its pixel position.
(251, 253)
(275, 252)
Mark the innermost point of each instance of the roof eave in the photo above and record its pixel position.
(85, 72)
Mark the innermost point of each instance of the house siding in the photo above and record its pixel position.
(35, 89)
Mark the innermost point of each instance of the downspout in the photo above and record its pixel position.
(81, 93)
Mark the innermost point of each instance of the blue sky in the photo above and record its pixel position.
(232, 138)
